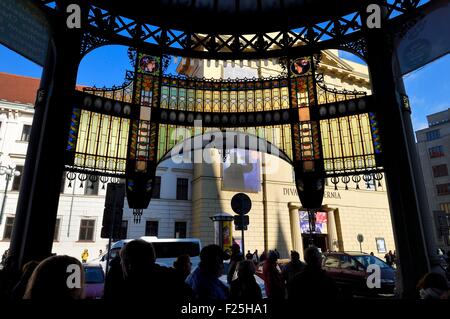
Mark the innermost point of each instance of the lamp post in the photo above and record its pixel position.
(9, 172)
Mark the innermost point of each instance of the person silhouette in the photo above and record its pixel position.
(312, 283)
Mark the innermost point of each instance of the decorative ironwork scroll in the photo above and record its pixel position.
(300, 40)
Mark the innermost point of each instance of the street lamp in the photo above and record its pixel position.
(9, 172)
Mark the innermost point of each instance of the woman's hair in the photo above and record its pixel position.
(28, 269)
(182, 260)
(246, 268)
(49, 280)
(433, 280)
(137, 255)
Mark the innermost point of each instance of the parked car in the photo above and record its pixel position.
(349, 270)
(167, 250)
(94, 284)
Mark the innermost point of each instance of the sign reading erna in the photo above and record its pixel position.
(289, 191)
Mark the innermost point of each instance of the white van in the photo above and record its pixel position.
(167, 250)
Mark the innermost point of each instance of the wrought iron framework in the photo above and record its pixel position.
(124, 132)
(104, 27)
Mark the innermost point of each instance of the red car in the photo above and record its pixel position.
(94, 284)
(349, 271)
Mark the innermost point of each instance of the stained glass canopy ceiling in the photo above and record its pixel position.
(228, 16)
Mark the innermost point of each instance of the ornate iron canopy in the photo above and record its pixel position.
(229, 16)
(208, 33)
(126, 131)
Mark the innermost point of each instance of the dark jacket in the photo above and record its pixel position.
(245, 290)
(206, 287)
(291, 269)
(312, 284)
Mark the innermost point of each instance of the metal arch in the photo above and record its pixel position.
(91, 42)
(357, 47)
(301, 41)
(204, 143)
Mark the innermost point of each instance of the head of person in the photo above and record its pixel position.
(246, 270)
(433, 280)
(432, 286)
(235, 249)
(211, 260)
(50, 280)
(272, 256)
(295, 256)
(313, 257)
(301, 66)
(183, 264)
(137, 257)
(28, 269)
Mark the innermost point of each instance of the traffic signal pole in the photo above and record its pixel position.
(111, 230)
(242, 231)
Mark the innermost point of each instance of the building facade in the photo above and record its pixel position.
(187, 195)
(433, 144)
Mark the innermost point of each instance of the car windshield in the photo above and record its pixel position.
(371, 260)
(175, 249)
(93, 275)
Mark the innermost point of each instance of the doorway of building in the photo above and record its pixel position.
(319, 240)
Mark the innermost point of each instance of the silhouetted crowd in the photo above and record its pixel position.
(134, 275)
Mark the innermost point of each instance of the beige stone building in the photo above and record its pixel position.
(275, 218)
(189, 194)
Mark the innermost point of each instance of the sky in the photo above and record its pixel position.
(428, 88)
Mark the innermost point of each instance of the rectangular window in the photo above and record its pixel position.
(17, 179)
(86, 230)
(331, 262)
(440, 170)
(433, 135)
(436, 151)
(180, 229)
(182, 188)
(26, 130)
(8, 228)
(151, 228)
(157, 187)
(445, 207)
(91, 186)
(56, 235)
(443, 189)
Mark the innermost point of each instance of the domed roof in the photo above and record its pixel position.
(230, 16)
